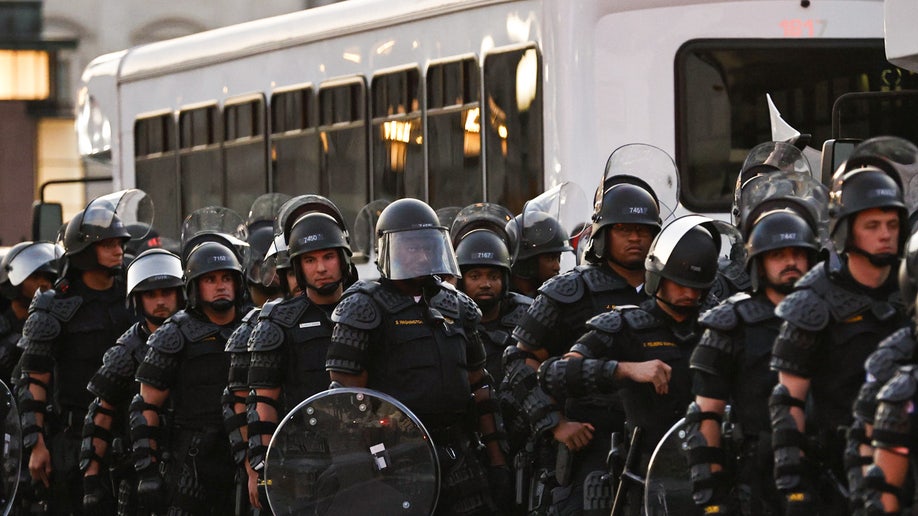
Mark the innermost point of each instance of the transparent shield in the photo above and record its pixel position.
(797, 191)
(565, 203)
(649, 164)
(481, 215)
(417, 253)
(215, 223)
(12, 449)
(351, 451)
(266, 207)
(668, 487)
(31, 259)
(763, 160)
(134, 207)
(363, 244)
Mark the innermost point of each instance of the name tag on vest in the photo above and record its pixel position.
(311, 324)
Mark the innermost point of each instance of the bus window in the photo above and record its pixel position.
(512, 125)
(398, 159)
(294, 143)
(343, 145)
(244, 152)
(200, 164)
(454, 134)
(156, 169)
(721, 111)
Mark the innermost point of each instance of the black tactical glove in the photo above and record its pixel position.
(151, 489)
(97, 497)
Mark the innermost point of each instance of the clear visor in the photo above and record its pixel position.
(275, 258)
(266, 207)
(416, 254)
(651, 165)
(133, 208)
(156, 265)
(31, 259)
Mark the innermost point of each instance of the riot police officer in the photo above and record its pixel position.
(186, 363)
(67, 332)
(27, 268)
(412, 336)
(841, 309)
(154, 281)
(484, 261)
(730, 365)
(643, 351)
(537, 241)
(624, 222)
(291, 338)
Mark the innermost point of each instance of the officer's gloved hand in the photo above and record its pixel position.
(151, 489)
(501, 480)
(97, 498)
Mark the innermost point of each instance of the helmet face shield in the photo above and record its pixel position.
(152, 270)
(39, 255)
(417, 253)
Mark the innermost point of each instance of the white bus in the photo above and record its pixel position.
(458, 101)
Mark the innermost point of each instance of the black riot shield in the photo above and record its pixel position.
(351, 451)
(12, 449)
(668, 488)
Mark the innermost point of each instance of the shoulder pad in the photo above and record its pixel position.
(895, 350)
(601, 279)
(168, 338)
(564, 288)
(722, 317)
(251, 316)
(357, 310)
(134, 340)
(194, 329)
(238, 341)
(813, 277)
(608, 322)
(62, 309)
(285, 312)
(735, 273)
(388, 300)
(902, 387)
(754, 310)
(638, 318)
(41, 326)
(456, 305)
(804, 309)
(518, 305)
(121, 361)
(266, 336)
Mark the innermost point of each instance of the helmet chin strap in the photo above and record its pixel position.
(685, 310)
(877, 260)
(220, 305)
(327, 289)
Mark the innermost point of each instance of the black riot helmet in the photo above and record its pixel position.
(684, 252)
(151, 270)
(541, 234)
(25, 259)
(484, 248)
(210, 256)
(104, 218)
(317, 231)
(859, 188)
(481, 215)
(778, 229)
(412, 243)
(896, 156)
(624, 200)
